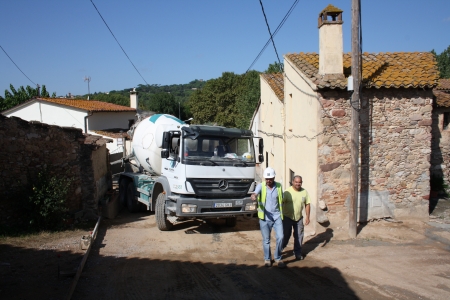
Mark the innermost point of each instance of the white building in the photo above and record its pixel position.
(92, 117)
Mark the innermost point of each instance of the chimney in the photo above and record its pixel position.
(134, 99)
(330, 41)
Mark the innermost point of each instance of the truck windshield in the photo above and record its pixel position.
(218, 149)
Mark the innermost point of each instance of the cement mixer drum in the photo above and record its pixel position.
(147, 140)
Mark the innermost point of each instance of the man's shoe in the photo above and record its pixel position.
(281, 264)
(298, 257)
(267, 263)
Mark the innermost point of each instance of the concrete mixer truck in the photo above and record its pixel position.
(182, 171)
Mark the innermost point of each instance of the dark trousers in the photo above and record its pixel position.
(298, 227)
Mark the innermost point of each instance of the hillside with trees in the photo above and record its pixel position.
(170, 99)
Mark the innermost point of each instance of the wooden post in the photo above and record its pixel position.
(354, 101)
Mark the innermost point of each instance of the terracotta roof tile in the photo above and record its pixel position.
(442, 98)
(444, 84)
(396, 69)
(89, 105)
(276, 83)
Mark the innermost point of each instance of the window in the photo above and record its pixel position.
(267, 159)
(291, 176)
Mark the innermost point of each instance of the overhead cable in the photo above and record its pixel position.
(118, 42)
(274, 33)
(17, 66)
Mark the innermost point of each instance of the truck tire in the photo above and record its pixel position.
(230, 222)
(161, 218)
(123, 185)
(132, 204)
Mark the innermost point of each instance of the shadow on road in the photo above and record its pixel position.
(175, 278)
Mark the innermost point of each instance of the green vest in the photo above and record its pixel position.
(262, 200)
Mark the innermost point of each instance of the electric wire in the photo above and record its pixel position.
(270, 33)
(118, 41)
(17, 66)
(274, 33)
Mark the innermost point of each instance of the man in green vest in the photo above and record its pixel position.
(295, 199)
(270, 214)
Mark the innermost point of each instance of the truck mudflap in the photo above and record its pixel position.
(188, 207)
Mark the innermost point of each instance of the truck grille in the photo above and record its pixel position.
(209, 188)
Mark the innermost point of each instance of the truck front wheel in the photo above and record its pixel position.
(132, 204)
(161, 218)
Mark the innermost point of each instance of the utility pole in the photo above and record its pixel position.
(355, 104)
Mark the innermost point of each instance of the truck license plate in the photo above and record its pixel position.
(223, 205)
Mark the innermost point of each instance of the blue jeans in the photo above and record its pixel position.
(298, 226)
(266, 228)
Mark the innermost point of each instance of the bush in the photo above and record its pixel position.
(45, 201)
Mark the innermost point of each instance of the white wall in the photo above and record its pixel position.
(51, 114)
(271, 130)
(107, 120)
(302, 119)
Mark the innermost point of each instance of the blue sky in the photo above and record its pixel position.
(58, 43)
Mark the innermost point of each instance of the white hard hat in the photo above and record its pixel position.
(269, 173)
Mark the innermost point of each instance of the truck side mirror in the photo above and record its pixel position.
(261, 150)
(165, 145)
(261, 158)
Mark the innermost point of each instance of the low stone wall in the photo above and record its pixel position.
(27, 148)
(395, 136)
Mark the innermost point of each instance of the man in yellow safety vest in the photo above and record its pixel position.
(270, 214)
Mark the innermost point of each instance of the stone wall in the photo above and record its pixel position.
(27, 148)
(395, 136)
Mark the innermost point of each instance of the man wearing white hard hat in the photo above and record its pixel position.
(270, 214)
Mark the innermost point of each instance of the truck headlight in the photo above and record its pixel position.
(250, 206)
(188, 208)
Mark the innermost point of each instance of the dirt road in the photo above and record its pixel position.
(132, 259)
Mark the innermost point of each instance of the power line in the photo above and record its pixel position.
(17, 66)
(118, 42)
(275, 32)
(270, 33)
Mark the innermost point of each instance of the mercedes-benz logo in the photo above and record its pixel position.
(223, 185)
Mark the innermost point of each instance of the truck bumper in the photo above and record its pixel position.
(209, 208)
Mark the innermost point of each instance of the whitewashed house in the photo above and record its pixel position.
(92, 117)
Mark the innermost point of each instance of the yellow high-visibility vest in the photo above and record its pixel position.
(262, 200)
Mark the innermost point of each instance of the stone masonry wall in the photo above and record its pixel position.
(26, 148)
(395, 136)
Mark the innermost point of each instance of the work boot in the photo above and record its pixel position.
(299, 257)
(267, 263)
(281, 264)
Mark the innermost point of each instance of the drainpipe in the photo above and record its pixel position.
(85, 121)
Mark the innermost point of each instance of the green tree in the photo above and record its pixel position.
(274, 68)
(229, 100)
(16, 97)
(163, 103)
(44, 92)
(443, 61)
